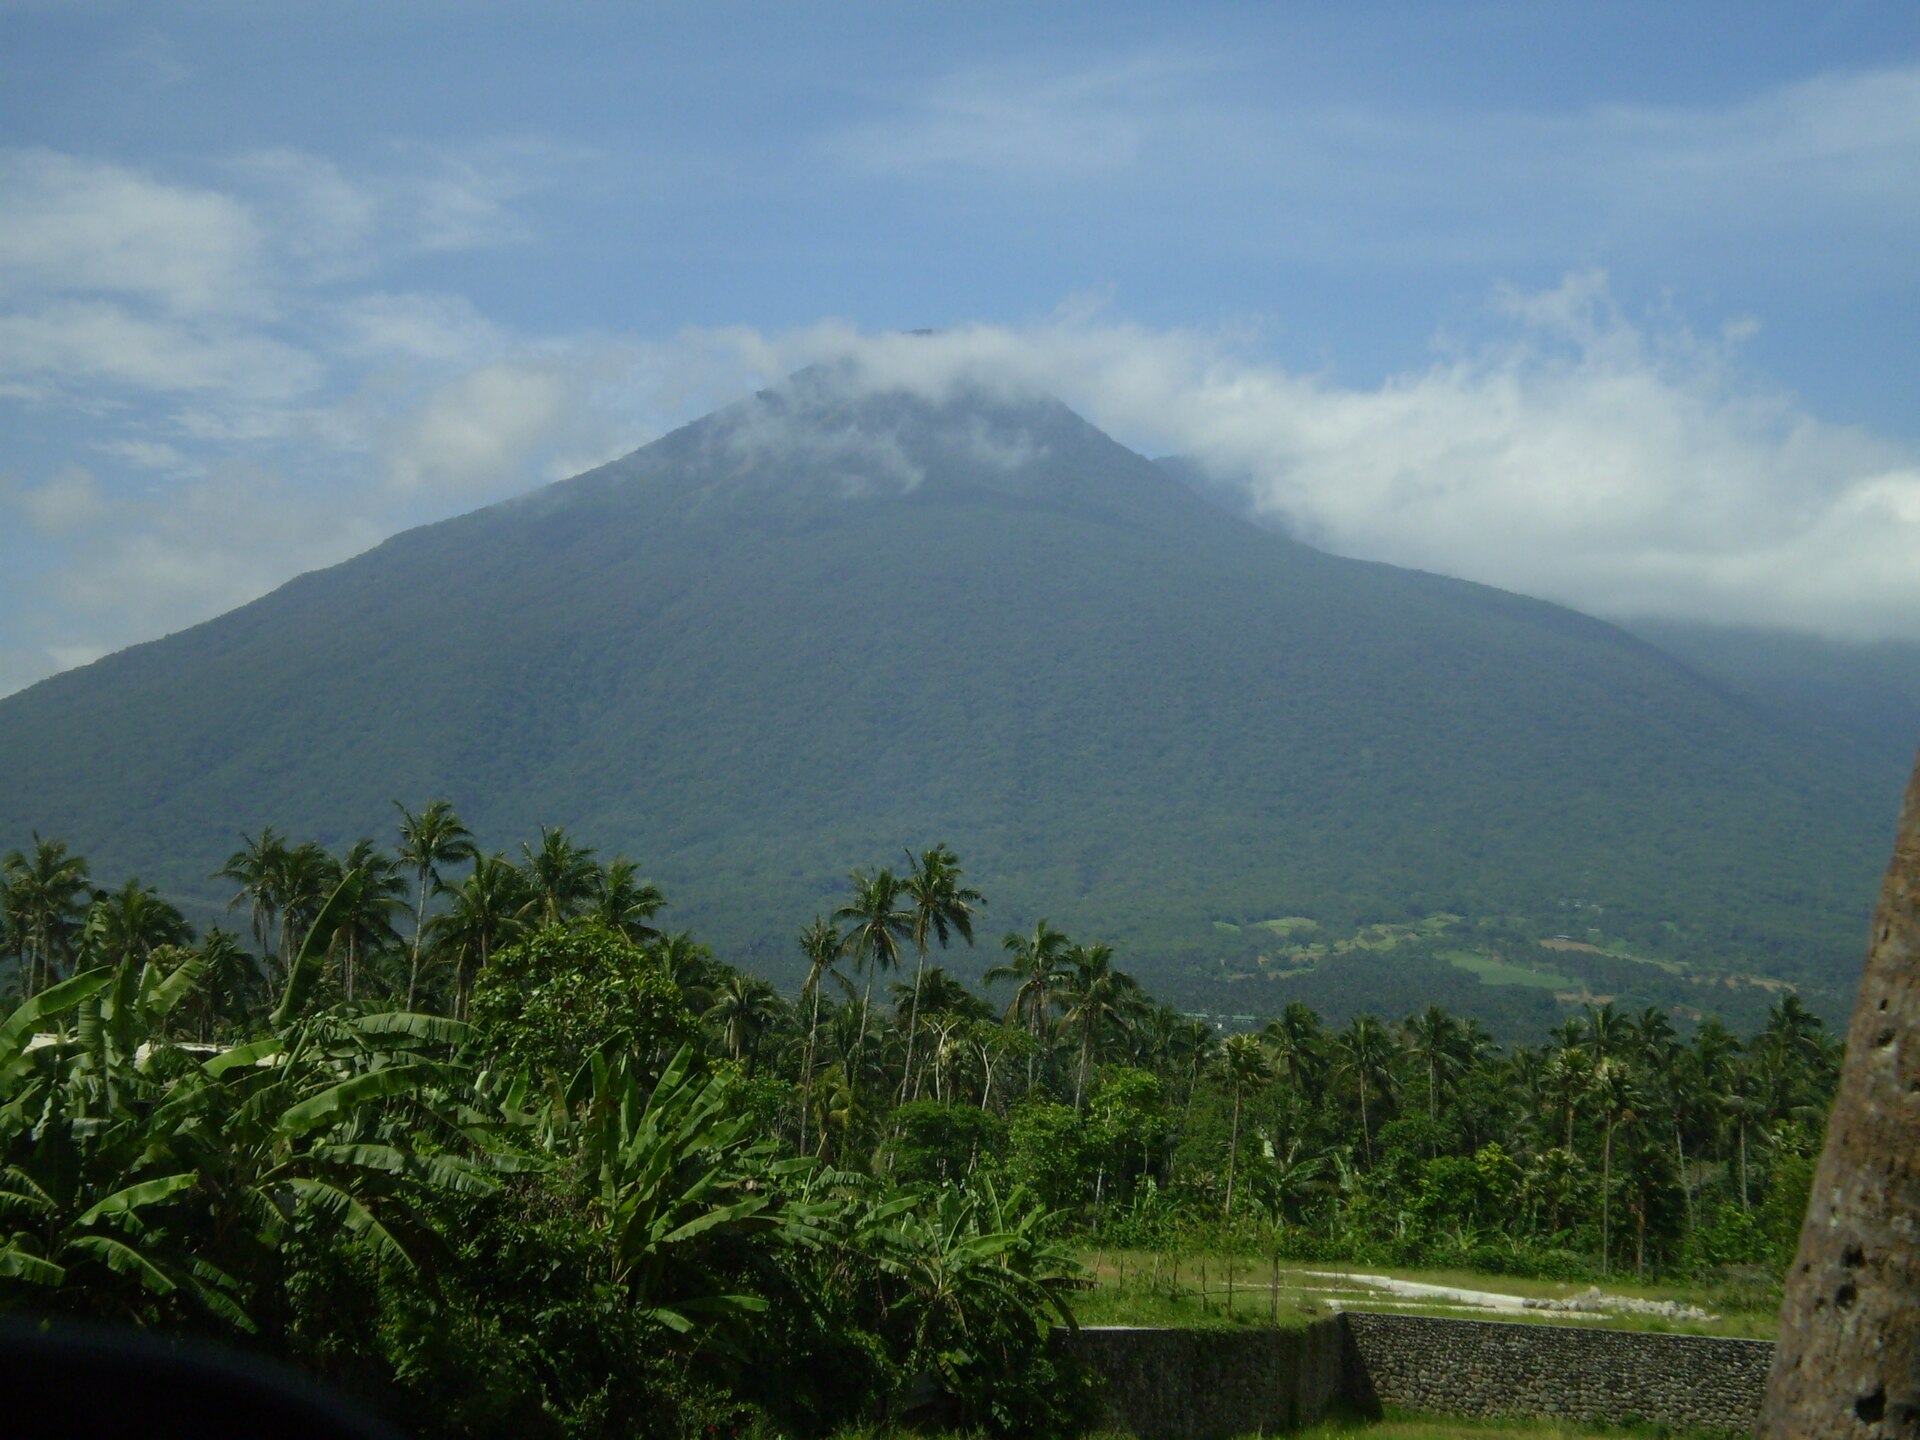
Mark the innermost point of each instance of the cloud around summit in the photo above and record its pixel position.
(1616, 463)
(1621, 465)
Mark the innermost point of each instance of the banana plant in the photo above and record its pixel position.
(671, 1174)
(977, 1284)
(133, 1187)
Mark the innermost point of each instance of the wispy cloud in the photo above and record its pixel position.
(1835, 155)
(258, 405)
(1624, 466)
(78, 227)
(1021, 123)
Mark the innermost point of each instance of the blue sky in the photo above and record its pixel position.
(1616, 304)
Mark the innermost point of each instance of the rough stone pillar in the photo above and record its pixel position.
(1848, 1363)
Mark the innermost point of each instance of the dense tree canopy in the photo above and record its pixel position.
(591, 1166)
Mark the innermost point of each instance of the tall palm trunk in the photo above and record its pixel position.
(1849, 1344)
(463, 980)
(1606, 1196)
(806, 1080)
(1743, 1165)
(1233, 1154)
(1366, 1130)
(419, 930)
(913, 1017)
(1686, 1186)
(860, 1051)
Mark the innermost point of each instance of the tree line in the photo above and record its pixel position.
(444, 1097)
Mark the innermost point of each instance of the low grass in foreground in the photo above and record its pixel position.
(1398, 1426)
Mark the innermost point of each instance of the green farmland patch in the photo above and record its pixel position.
(1492, 970)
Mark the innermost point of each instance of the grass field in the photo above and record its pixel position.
(1139, 1288)
(1494, 971)
(1439, 1427)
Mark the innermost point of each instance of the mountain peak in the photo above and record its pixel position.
(830, 435)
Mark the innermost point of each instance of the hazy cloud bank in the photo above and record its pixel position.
(254, 403)
(1623, 466)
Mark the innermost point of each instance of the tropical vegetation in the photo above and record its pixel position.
(486, 1143)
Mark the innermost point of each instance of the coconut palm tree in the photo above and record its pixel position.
(1617, 1097)
(1098, 998)
(483, 913)
(689, 965)
(1295, 1040)
(48, 894)
(255, 867)
(230, 985)
(367, 927)
(1609, 1033)
(1441, 1044)
(1199, 1043)
(623, 901)
(1243, 1065)
(306, 876)
(561, 878)
(1366, 1052)
(745, 1009)
(941, 908)
(433, 838)
(1038, 968)
(942, 993)
(820, 944)
(133, 921)
(876, 922)
(1738, 1097)
(1564, 1081)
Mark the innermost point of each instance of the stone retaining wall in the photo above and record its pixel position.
(1488, 1367)
(1212, 1384)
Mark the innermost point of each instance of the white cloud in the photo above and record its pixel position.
(66, 502)
(1016, 122)
(331, 224)
(475, 434)
(436, 329)
(149, 455)
(168, 561)
(80, 227)
(1625, 468)
(1744, 184)
(100, 342)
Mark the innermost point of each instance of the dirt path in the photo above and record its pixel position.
(1416, 1290)
(1591, 1305)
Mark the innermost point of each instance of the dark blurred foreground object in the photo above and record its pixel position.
(1848, 1362)
(91, 1382)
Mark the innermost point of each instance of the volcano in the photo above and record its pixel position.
(834, 619)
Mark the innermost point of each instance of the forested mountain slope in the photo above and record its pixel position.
(1866, 692)
(823, 623)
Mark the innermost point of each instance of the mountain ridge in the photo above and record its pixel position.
(798, 633)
